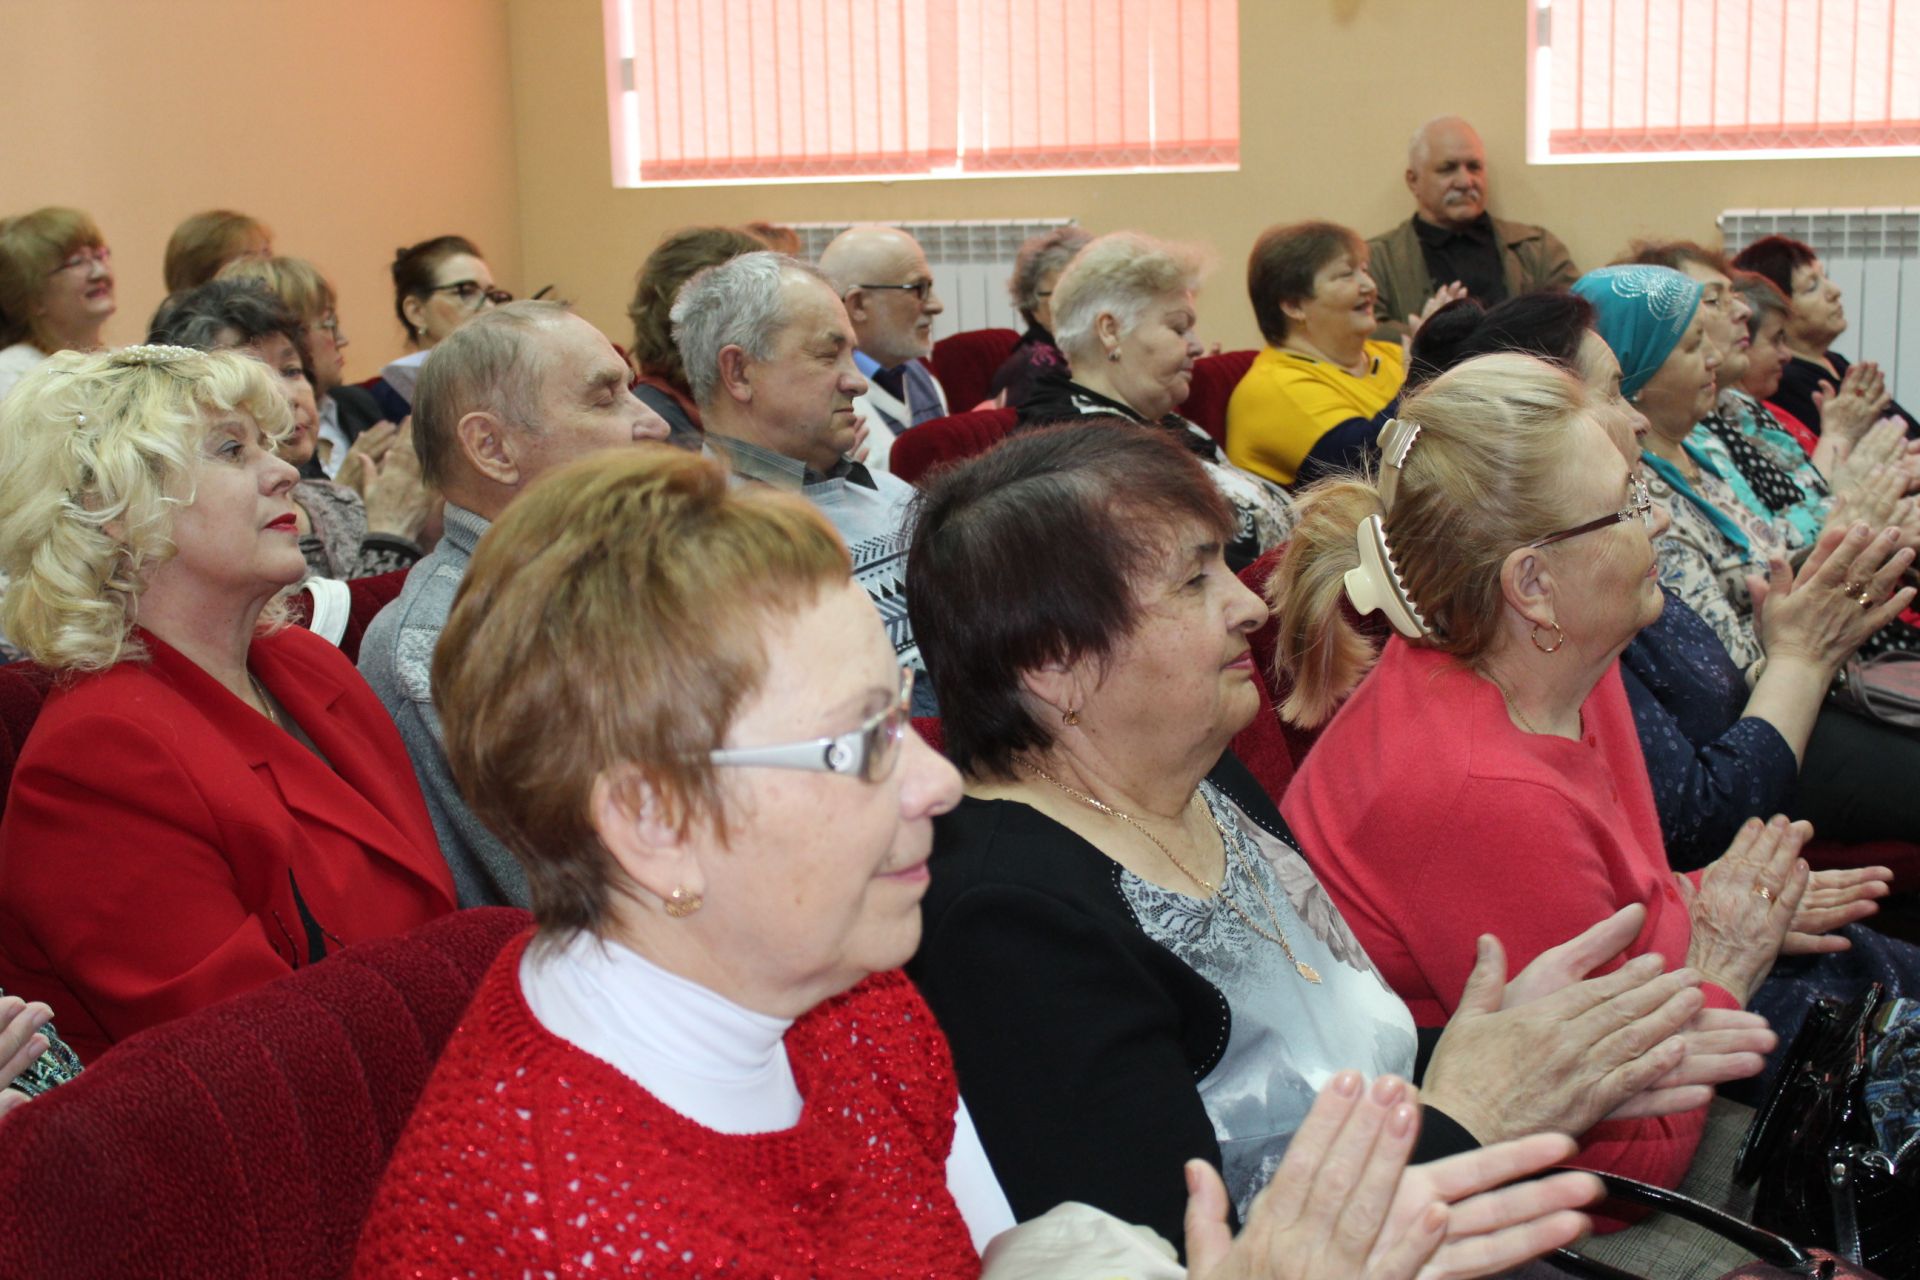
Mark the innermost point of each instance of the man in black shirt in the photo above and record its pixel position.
(1451, 242)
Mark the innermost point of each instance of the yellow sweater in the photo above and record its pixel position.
(1293, 413)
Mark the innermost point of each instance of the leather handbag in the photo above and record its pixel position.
(1885, 687)
(1774, 1257)
(1834, 1154)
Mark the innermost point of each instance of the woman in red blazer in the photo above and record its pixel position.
(208, 800)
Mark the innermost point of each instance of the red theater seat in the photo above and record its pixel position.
(960, 435)
(245, 1140)
(966, 362)
(1214, 378)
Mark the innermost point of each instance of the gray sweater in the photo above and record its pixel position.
(396, 657)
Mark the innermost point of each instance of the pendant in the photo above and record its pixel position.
(1307, 971)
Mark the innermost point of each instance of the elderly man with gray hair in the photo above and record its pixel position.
(508, 397)
(1452, 247)
(768, 350)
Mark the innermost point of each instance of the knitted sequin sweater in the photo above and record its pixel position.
(528, 1156)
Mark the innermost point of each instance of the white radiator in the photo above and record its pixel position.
(971, 262)
(1874, 256)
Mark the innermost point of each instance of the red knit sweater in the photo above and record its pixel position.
(1431, 819)
(527, 1155)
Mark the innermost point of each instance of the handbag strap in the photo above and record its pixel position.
(1763, 1245)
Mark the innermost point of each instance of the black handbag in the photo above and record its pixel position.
(1813, 1157)
(1774, 1257)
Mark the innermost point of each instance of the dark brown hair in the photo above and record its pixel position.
(414, 268)
(1030, 554)
(1283, 264)
(1776, 258)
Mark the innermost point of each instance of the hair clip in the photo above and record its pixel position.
(1375, 586)
(80, 419)
(1396, 441)
(153, 353)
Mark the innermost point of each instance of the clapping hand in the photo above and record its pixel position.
(1345, 1203)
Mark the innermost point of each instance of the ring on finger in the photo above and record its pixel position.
(1853, 589)
(1766, 894)
(1865, 597)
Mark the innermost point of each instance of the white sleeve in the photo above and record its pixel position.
(970, 1178)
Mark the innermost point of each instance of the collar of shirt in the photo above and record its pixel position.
(754, 462)
(1479, 231)
(893, 380)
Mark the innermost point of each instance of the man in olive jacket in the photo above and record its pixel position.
(1452, 245)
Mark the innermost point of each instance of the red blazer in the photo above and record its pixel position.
(166, 846)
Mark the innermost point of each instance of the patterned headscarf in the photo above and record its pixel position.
(1641, 312)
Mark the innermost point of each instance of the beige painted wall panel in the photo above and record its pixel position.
(1330, 91)
(350, 126)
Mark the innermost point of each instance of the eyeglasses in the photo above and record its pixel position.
(330, 323)
(85, 258)
(472, 293)
(919, 289)
(1639, 503)
(868, 752)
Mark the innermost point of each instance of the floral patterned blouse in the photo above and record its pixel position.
(1712, 545)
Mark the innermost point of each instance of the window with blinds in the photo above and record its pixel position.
(710, 91)
(1703, 79)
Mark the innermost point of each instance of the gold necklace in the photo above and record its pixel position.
(1517, 715)
(260, 692)
(1278, 937)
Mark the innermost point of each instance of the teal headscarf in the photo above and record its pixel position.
(1641, 312)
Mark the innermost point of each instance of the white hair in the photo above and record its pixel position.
(1118, 275)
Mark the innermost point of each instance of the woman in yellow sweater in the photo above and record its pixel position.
(1315, 399)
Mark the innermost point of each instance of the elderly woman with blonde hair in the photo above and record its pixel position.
(703, 1057)
(1486, 774)
(1124, 315)
(208, 799)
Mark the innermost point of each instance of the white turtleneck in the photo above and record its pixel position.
(707, 1058)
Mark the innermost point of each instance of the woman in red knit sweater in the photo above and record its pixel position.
(1486, 776)
(672, 702)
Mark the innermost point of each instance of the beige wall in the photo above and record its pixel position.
(1330, 89)
(355, 126)
(350, 127)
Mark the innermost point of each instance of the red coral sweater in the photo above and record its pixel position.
(527, 1155)
(1431, 819)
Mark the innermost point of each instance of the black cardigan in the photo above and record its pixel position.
(1078, 1040)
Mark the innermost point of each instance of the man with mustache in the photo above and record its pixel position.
(769, 352)
(881, 274)
(1452, 246)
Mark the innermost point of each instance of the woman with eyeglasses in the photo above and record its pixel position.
(703, 1058)
(1486, 775)
(438, 285)
(1721, 747)
(56, 288)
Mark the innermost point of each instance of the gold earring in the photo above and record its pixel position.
(1114, 356)
(681, 904)
(1070, 718)
(1559, 638)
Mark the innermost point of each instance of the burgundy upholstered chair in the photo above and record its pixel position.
(966, 362)
(958, 435)
(1214, 378)
(246, 1139)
